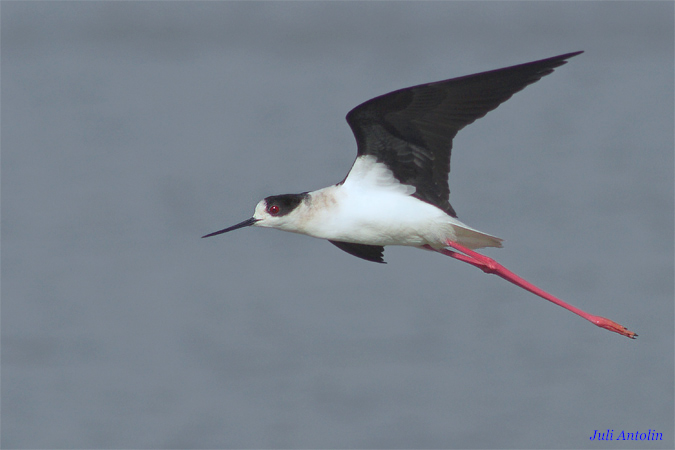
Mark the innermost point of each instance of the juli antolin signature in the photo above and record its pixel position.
(650, 435)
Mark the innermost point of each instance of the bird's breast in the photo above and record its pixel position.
(374, 217)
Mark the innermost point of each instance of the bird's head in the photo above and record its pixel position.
(271, 212)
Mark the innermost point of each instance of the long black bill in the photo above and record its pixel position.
(245, 223)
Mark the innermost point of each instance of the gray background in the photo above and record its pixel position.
(131, 129)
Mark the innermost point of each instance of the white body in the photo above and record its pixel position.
(372, 207)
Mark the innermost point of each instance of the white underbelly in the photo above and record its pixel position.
(390, 218)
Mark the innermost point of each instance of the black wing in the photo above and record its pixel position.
(364, 251)
(411, 130)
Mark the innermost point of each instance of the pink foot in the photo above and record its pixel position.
(613, 326)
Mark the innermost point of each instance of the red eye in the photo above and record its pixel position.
(274, 210)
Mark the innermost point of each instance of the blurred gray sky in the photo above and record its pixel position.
(130, 129)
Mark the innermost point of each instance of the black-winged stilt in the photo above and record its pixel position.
(396, 192)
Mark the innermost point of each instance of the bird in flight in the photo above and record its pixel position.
(396, 192)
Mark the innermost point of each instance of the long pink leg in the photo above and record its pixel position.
(489, 265)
